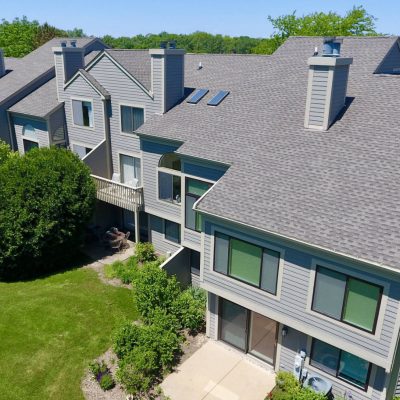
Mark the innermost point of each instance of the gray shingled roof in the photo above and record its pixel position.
(338, 189)
(43, 100)
(136, 62)
(32, 66)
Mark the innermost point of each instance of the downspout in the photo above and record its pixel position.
(107, 136)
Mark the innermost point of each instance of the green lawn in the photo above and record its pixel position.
(51, 328)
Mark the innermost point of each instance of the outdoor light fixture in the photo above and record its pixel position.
(285, 330)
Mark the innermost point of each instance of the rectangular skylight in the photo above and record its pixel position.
(218, 98)
(198, 95)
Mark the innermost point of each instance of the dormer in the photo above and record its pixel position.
(327, 85)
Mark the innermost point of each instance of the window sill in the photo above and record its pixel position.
(169, 202)
(131, 135)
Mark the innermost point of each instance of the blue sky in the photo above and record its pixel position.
(230, 17)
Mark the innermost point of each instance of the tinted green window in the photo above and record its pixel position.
(196, 187)
(353, 369)
(361, 304)
(194, 190)
(269, 274)
(329, 292)
(245, 262)
(221, 255)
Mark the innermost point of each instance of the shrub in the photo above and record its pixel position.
(190, 309)
(154, 289)
(126, 271)
(288, 388)
(145, 252)
(137, 371)
(126, 337)
(106, 382)
(46, 200)
(6, 152)
(97, 369)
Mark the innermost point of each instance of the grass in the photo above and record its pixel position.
(51, 329)
(126, 271)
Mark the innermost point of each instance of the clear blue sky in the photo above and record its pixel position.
(230, 17)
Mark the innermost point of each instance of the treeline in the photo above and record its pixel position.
(21, 36)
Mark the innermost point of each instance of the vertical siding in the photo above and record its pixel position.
(40, 130)
(73, 60)
(79, 134)
(57, 120)
(318, 95)
(339, 87)
(157, 236)
(174, 80)
(294, 294)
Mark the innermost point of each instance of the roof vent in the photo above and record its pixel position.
(331, 47)
(63, 43)
(200, 66)
(72, 43)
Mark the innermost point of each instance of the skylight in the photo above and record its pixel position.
(198, 95)
(218, 98)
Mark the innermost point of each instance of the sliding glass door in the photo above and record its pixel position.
(248, 331)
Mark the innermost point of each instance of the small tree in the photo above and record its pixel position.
(46, 200)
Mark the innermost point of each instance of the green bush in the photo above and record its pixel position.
(46, 200)
(97, 368)
(190, 309)
(145, 252)
(137, 371)
(288, 388)
(155, 289)
(106, 382)
(126, 337)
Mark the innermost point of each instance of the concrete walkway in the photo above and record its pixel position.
(216, 372)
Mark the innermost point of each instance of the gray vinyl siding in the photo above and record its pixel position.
(151, 154)
(75, 62)
(40, 129)
(161, 245)
(318, 95)
(397, 390)
(212, 305)
(123, 91)
(191, 238)
(57, 120)
(195, 280)
(157, 83)
(295, 341)
(174, 80)
(294, 291)
(91, 137)
(391, 61)
(339, 87)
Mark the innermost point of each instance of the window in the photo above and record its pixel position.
(131, 118)
(246, 262)
(346, 299)
(82, 113)
(29, 145)
(81, 150)
(340, 363)
(29, 131)
(172, 231)
(194, 190)
(170, 161)
(195, 262)
(130, 170)
(169, 187)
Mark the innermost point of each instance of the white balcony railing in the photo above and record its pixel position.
(119, 194)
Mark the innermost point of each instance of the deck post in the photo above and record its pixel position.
(137, 230)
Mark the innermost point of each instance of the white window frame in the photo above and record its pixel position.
(82, 99)
(134, 155)
(133, 105)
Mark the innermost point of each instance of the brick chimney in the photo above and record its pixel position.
(68, 59)
(327, 85)
(167, 75)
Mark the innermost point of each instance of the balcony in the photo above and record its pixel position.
(118, 194)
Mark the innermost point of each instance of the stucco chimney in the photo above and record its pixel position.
(167, 72)
(327, 86)
(2, 64)
(67, 60)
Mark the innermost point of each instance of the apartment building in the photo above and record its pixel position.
(270, 181)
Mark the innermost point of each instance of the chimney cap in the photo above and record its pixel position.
(63, 43)
(73, 42)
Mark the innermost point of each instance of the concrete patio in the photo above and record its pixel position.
(216, 372)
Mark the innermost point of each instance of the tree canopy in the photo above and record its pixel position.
(21, 36)
(46, 199)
